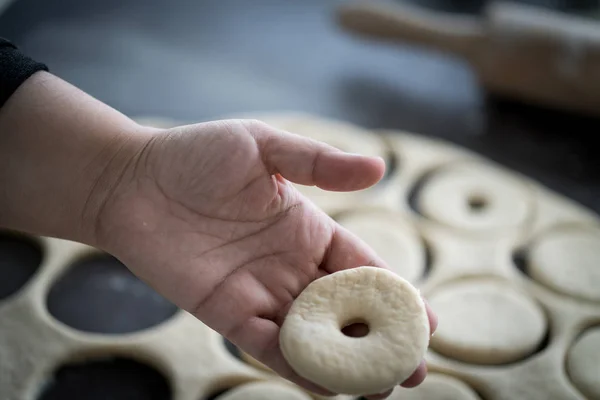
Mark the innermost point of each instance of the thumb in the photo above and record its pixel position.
(308, 162)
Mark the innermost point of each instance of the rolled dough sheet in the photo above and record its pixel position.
(583, 363)
(264, 391)
(436, 386)
(485, 321)
(392, 236)
(475, 196)
(568, 261)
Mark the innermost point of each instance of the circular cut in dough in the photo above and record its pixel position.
(583, 363)
(312, 341)
(392, 237)
(265, 391)
(436, 386)
(568, 261)
(484, 321)
(475, 196)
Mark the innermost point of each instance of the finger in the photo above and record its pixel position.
(347, 251)
(308, 162)
(259, 338)
(417, 377)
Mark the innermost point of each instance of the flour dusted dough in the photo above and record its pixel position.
(264, 391)
(312, 341)
(485, 322)
(583, 363)
(568, 261)
(392, 237)
(436, 387)
(475, 196)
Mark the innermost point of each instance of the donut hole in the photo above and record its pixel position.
(20, 259)
(112, 378)
(355, 328)
(477, 203)
(98, 294)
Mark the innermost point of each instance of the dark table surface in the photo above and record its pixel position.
(198, 60)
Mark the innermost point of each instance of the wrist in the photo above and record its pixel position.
(113, 173)
(61, 154)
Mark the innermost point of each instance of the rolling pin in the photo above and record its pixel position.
(533, 54)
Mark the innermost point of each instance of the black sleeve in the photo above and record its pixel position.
(15, 68)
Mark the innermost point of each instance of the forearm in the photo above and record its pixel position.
(61, 152)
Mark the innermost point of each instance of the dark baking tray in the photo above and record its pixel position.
(197, 60)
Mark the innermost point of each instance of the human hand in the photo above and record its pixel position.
(206, 214)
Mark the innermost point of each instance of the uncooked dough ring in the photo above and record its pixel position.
(265, 391)
(475, 196)
(312, 341)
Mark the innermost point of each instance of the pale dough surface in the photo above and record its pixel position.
(583, 363)
(264, 391)
(392, 237)
(314, 345)
(436, 387)
(485, 322)
(475, 196)
(568, 261)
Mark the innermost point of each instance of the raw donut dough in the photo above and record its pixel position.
(312, 341)
(264, 391)
(486, 322)
(583, 363)
(475, 196)
(392, 237)
(436, 386)
(568, 261)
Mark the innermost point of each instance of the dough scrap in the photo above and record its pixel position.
(475, 196)
(312, 341)
(264, 391)
(436, 386)
(583, 363)
(568, 261)
(392, 237)
(485, 321)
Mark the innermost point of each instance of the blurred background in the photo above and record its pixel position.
(518, 85)
(197, 60)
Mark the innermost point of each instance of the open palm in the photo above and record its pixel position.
(207, 215)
